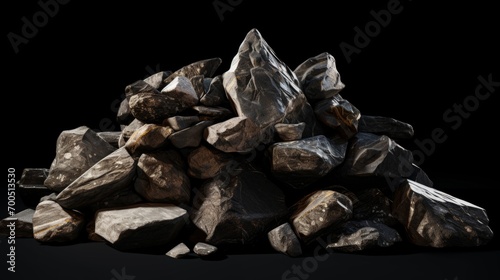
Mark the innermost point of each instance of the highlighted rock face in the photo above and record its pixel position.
(254, 157)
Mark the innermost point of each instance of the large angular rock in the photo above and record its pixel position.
(238, 208)
(302, 162)
(21, 224)
(128, 130)
(434, 218)
(112, 174)
(148, 137)
(206, 68)
(284, 240)
(361, 235)
(31, 186)
(182, 122)
(206, 162)
(339, 115)
(157, 80)
(385, 126)
(372, 204)
(215, 95)
(161, 178)
(76, 151)
(318, 212)
(318, 77)
(140, 226)
(181, 94)
(139, 87)
(238, 134)
(189, 137)
(52, 223)
(262, 88)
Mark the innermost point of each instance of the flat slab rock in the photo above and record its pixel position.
(52, 223)
(436, 219)
(140, 226)
(179, 251)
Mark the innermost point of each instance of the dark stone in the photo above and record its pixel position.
(139, 87)
(112, 137)
(238, 134)
(318, 212)
(198, 85)
(284, 240)
(437, 219)
(23, 224)
(179, 251)
(157, 80)
(206, 68)
(52, 223)
(213, 113)
(124, 116)
(204, 249)
(238, 208)
(362, 235)
(140, 226)
(385, 126)
(119, 199)
(161, 178)
(372, 204)
(128, 130)
(206, 162)
(339, 115)
(51, 196)
(290, 132)
(148, 137)
(31, 185)
(189, 137)
(110, 175)
(302, 162)
(182, 122)
(215, 95)
(76, 151)
(318, 77)
(263, 89)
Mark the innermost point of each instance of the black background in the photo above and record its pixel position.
(74, 70)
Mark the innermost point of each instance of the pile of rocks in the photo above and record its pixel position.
(258, 155)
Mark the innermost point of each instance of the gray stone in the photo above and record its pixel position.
(182, 122)
(76, 151)
(189, 137)
(112, 174)
(140, 226)
(206, 162)
(198, 85)
(148, 137)
(385, 126)
(215, 95)
(52, 223)
(290, 132)
(156, 80)
(204, 249)
(339, 115)
(436, 219)
(318, 77)
(21, 224)
(284, 240)
(179, 251)
(161, 178)
(238, 134)
(112, 137)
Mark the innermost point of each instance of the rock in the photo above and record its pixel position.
(385, 126)
(31, 185)
(128, 130)
(189, 137)
(284, 240)
(148, 137)
(179, 251)
(362, 235)
(91, 235)
(119, 199)
(52, 223)
(238, 134)
(263, 89)
(372, 204)
(204, 249)
(198, 85)
(213, 113)
(124, 116)
(181, 94)
(206, 162)
(140, 87)
(215, 95)
(338, 114)
(112, 137)
(290, 132)
(51, 196)
(76, 151)
(152, 108)
(112, 174)
(437, 219)
(161, 178)
(206, 68)
(319, 212)
(318, 77)
(140, 226)
(157, 80)
(302, 162)
(182, 122)
(21, 224)
(238, 208)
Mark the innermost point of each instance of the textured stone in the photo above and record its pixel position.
(204, 249)
(238, 208)
(52, 223)
(161, 178)
(206, 162)
(213, 113)
(139, 87)
(76, 151)
(112, 137)
(156, 80)
(148, 137)
(206, 68)
(434, 218)
(238, 134)
(140, 226)
(179, 251)
(284, 240)
(385, 126)
(113, 173)
(20, 223)
(31, 186)
(372, 204)
(318, 77)
(302, 162)
(198, 85)
(121, 198)
(339, 115)
(290, 132)
(128, 130)
(317, 212)
(215, 95)
(189, 137)
(182, 122)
